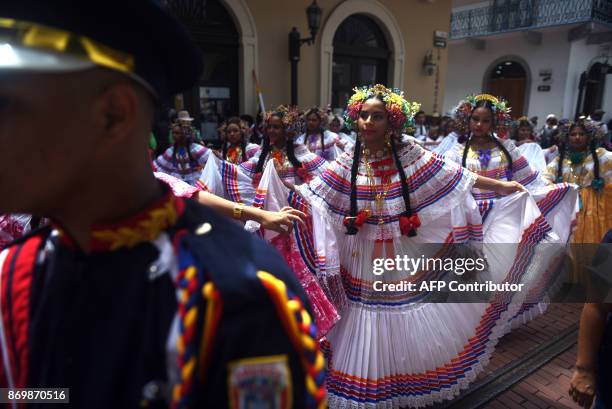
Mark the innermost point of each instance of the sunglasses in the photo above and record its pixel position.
(274, 126)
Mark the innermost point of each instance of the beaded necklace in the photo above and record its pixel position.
(279, 156)
(379, 192)
(234, 154)
(577, 169)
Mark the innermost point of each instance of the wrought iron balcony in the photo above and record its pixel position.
(513, 15)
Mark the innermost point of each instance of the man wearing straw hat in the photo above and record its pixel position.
(185, 158)
(185, 120)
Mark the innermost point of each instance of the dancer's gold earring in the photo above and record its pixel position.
(388, 135)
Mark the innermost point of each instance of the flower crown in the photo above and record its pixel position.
(332, 117)
(400, 112)
(592, 130)
(321, 113)
(522, 121)
(290, 116)
(595, 134)
(501, 112)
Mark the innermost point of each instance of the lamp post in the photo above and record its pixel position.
(429, 65)
(313, 14)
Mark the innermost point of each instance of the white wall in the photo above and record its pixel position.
(607, 99)
(467, 67)
(580, 59)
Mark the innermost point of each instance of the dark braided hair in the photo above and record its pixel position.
(593, 147)
(315, 111)
(562, 149)
(238, 122)
(291, 153)
(265, 149)
(351, 228)
(488, 105)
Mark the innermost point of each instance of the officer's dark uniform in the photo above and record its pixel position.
(175, 306)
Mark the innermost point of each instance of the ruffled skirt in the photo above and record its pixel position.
(403, 349)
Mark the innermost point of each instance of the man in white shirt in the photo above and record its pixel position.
(546, 134)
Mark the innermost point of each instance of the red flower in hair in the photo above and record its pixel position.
(396, 116)
(354, 109)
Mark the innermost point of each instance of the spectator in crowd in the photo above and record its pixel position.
(421, 129)
(546, 136)
(449, 126)
(523, 131)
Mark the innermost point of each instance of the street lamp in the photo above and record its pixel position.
(429, 65)
(313, 14)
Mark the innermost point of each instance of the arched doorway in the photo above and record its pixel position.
(595, 86)
(216, 96)
(360, 57)
(509, 79)
(385, 21)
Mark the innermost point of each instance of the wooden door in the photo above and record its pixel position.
(512, 90)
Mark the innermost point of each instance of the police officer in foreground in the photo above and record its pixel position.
(133, 297)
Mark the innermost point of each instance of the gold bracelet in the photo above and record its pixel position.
(238, 207)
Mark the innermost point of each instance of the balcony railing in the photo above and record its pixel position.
(512, 15)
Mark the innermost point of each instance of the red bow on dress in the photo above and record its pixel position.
(409, 224)
(360, 219)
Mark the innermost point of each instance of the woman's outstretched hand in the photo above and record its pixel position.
(281, 221)
(507, 188)
(499, 186)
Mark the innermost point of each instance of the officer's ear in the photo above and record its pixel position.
(116, 112)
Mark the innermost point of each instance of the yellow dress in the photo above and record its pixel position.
(595, 216)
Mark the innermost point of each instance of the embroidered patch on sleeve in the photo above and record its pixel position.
(262, 383)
